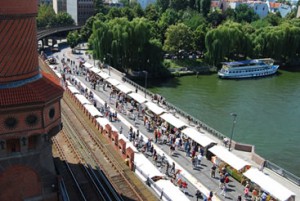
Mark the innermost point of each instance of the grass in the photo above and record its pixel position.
(183, 63)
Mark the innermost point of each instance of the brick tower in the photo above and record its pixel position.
(29, 108)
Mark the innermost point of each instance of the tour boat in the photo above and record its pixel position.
(248, 68)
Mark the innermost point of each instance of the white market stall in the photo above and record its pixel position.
(95, 70)
(87, 65)
(93, 111)
(155, 108)
(171, 119)
(234, 165)
(82, 99)
(198, 137)
(103, 75)
(137, 97)
(102, 121)
(229, 158)
(123, 88)
(269, 185)
(143, 165)
(73, 89)
(172, 191)
(113, 81)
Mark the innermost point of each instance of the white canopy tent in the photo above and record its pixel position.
(228, 157)
(154, 108)
(172, 191)
(87, 65)
(73, 89)
(113, 81)
(82, 99)
(177, 123)
(146, 166)
(198, 137)
(137, 97)
(103, 75)
(93, 111)
(95, 70)
(124, 88)
(102, 121)
(265, 182)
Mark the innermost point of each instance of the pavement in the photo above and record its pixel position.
(197, 178)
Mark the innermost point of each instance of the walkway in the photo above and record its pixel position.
(198, 178)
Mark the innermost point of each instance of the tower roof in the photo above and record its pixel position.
(43, 90)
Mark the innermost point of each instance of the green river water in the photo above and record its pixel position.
(268, 110)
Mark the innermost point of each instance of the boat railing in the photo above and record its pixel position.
(282, 172)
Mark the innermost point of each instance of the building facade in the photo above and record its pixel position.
(80, 10)
(59, 6)
(29, 109)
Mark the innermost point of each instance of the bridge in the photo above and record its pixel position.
(42, 33)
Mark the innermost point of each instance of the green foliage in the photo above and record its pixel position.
(73, 39)
(47, 17)
(126, 44)
(178, 37)
(244, 13)
(151, 13)
(215, 17)
(192, 19)
(227, 41)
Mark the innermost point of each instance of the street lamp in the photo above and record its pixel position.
(233, 124)
(146, 74)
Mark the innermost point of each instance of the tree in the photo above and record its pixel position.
(151, 13)
(163, 5)
(244, 13)
(63, 19)
(205, 6)
(46, 16)
(192, 19)
(73, 39)
(138, 11)
(178, 4)
(227, 41)
(178, 37)
(215, 17)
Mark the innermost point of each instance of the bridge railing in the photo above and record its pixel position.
(282, 172)
(275, 168)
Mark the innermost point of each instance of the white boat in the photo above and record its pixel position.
(248, 68)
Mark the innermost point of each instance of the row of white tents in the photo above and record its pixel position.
(265, 182)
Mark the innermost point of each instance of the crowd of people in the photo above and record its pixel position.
(163, 132)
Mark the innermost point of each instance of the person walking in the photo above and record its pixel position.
(167, 168)
(199, 158)
(213, 171)
(173, 168)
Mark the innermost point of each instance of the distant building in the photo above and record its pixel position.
(260, 8)
(298, 12)
(80, 10)
(145, 3)
(45, 2)
(59, 6)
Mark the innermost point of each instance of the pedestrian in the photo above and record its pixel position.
(167, 168)
(239, 198)
(173, 168)
(194, 161)
(213, 171)
(198, 195)
(223, 192)
(199, 158)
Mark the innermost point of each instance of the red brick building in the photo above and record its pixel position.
(29, 108)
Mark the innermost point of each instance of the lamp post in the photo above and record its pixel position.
(146, 74)
(233, 124)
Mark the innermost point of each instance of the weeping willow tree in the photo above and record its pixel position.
(279, 42)
(126, 44)
(227, 42)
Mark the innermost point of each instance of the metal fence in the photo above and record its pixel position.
(275, 168)
(282, 172)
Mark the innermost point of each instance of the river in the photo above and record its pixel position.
(268, 110)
